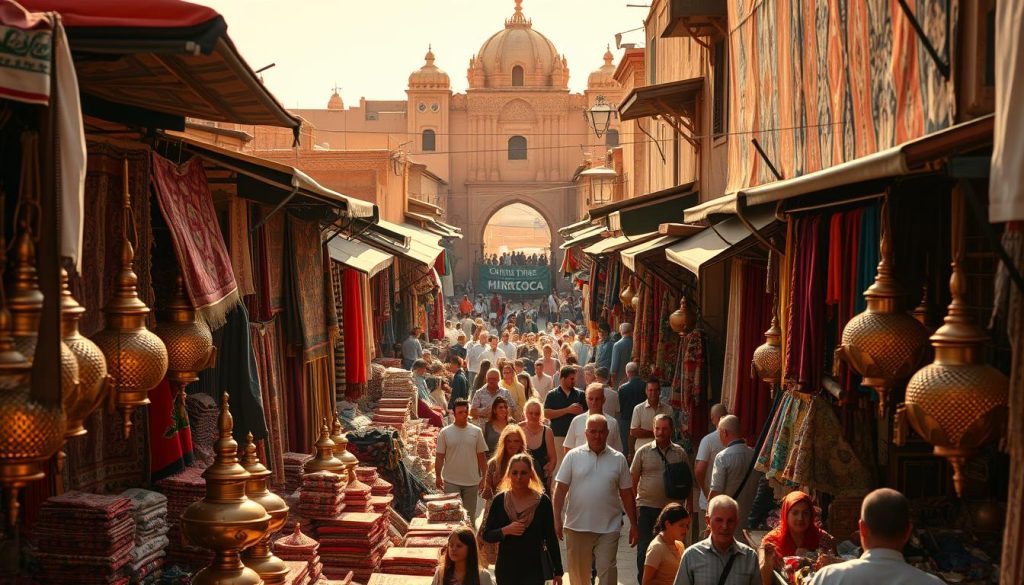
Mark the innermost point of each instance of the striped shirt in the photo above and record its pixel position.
(703, 564)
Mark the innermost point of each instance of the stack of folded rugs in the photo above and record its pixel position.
(443, 509)
(293, 463)
(357, 497)
(380, 490)
(354, 541)
(410, 561)
(150, 515)
(323, 495)
(299, 548)
(393, 407)
(182, 489)
(295, 516)
(85, 539)
(421, 527)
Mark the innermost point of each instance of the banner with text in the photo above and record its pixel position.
(514, 280)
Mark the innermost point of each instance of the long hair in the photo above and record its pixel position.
(524, 457)
(524, 379)
(501, 456)
(539, 405)
(481, 375)
(445, 566)
(494, 408)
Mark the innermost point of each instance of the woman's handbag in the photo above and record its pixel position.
(546, 566)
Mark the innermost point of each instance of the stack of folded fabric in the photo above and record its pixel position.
(375, 385)
(298, 573)
(150, 515)
(445, 511)
(422, 527)
(410, 560)
(203, 411)
(323, 495)
(389, 579)
(295, 517)
(357, 497)
(85, 539)
(182, 489)
(301, 548)
(416, 541)
(293, 463)
(393, 407)
(355, 541)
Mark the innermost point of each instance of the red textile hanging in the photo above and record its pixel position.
(355, 328)
(805, 342)
(753, 401)
(170, 437)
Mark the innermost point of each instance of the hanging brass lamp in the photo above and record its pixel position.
(884, 344)
(225, 521)
(767, 361)
(627, 294)
(92, 367)
(136, 358)
(635, 303)
(324, 459)
(341, 448)
(271, 569)
(920, 312)
(958, 402)
(682, 319)
(189, 343)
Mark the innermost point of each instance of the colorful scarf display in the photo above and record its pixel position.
(187, 206)
(305, 299)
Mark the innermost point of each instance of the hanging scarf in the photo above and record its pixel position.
(525, 515)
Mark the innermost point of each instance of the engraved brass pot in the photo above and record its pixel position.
(92, 366)
(767, 361)
(189, 342)
(271, 569)
(682, 318)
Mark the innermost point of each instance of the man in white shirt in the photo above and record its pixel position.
(709, 447)
(506, 346)
(462, 446)
(641, 425)
(474, 350)
(576, 435)
(541, 382)
(611, 397)
(491, 352)
(480, 404)
(885, 528)
(596, 482)
(581, 347)
(729, 471)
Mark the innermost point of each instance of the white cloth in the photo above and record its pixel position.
(491, 354)
(643, 418)
(1006, 181)
(582, 351)
(542, 384)
(593, 503)
(485, 578)
(878, 565)
(460, 447)
(508, 348)
(611, 402)
(576, 435)
(710, 446)
(71, 180)
(473, 352)
(467, 326)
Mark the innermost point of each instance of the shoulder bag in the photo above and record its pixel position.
(677, 477)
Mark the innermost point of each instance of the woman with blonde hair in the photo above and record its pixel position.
(512, 442)
(510, 384)
(522, 519)
(540, 442)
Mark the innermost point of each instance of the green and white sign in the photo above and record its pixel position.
(514, 280)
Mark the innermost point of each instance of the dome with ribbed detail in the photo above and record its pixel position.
(429, 76)
(518, 56)
(604, 76)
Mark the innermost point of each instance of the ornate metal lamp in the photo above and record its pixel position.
(682, 319)
(767, 361)
(626, 295)
(136, 357)
(189, 343)
(271, 569)
(341, 448)
(324, 459)
(636, 301)
(92, 367)
(884, 344)
(225, 521)
(958, 402)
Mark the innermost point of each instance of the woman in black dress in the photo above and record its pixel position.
(540, 442)
(522, 520)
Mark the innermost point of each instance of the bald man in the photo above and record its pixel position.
(729, 472)
(710, 446)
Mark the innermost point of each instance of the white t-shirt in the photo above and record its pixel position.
(473, 358)
(611, 402)
(508, 348)
(643, 418)
(593, 503)
(878, 565)
(576, 435)
(490, 354)
(542, 384)
(710, 446)
(460, 447)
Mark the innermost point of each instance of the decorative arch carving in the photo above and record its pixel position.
(517, 110)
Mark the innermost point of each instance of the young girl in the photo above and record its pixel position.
(665, 551)
(459, 563)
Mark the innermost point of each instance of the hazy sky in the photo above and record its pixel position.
(369, 48)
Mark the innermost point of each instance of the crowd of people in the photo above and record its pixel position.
(516, 259)
(562, 441)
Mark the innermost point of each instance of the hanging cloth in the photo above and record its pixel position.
(355, 332)
(732, 367)
(753, 399)
(305, 298)
(805, 343)
(170, 437)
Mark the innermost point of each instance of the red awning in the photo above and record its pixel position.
(153, 63)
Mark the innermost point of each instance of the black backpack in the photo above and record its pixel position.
(677, 477)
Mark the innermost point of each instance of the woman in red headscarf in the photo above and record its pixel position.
(797, 533)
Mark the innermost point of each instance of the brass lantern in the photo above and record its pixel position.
(884, 344)
(958, 402)
(225, 521)
(189, 343)
(324, 459)
(92, 367)
(767, 361)
(271, 569)
(341, 448)
(626, 295)
(636, 301)
(136, 357)
(681, 320)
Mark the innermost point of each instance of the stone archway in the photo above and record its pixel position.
(517, 227)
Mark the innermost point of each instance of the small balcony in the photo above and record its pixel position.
(696, 18)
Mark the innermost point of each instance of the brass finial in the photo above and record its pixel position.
(324, 459)
(341, 448)
(271, 569)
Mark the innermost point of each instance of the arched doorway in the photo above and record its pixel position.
(517, 228)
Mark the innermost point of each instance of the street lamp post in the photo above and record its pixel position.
(600, 116)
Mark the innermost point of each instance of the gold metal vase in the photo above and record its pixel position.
(189, 343)
(92, 366)
(626, 295)
(767, 361)
(136, 357)
(681, 319)
(226, 521)
(323, 457)
(341, 451)
(958, 402)
(884, 344)
(271, 569)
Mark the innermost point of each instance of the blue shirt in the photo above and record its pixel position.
(622, 352)
(411, 349)
(603, 354)
(460, 388)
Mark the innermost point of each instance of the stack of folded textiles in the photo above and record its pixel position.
(421, 527)
(298, 573)
(355, 541)
(410, 561)
(182, 489)
(425, 541)
(295, 517)
(446, 511)
(298, 547)
(323, 495)
(150, 515)
(357, 497)
(293, 463)
(389, 579)
(85, 539)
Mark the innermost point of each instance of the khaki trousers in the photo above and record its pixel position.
(586, 548)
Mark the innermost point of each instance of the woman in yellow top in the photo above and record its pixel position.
(511, 385)
(664, 553)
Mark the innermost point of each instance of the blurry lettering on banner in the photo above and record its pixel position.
(514, 280)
